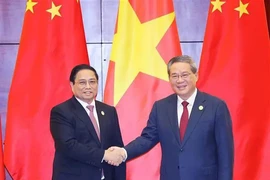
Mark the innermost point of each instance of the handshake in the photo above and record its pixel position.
(115, 155)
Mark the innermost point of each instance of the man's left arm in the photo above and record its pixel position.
(224, 141)
(120, 171)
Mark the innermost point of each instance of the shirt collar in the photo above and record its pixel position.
(190, 100)
(84, 104)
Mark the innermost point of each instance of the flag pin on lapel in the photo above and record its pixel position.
(200, 107)
(102, 113)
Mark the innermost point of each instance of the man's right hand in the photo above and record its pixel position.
(115, 155)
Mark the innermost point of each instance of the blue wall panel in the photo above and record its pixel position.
(191, 19)
(8, 55)
(109, 14)
(91, 10)
(11, 19)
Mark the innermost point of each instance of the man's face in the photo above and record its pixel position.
(85, 86)
(182, 79)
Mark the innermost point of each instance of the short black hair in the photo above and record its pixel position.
(185, 59)
(78, 68)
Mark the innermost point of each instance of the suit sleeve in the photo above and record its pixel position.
(224, 141)
(119, 171)
(63, 133)
(148, 139)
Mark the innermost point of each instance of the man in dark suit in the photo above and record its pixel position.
(82, 129)
(193, 128)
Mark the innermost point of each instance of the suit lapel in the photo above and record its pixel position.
(82, 115)
(101, 119)
(195, 115)
(172, 114)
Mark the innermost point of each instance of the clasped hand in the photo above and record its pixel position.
(115, 156)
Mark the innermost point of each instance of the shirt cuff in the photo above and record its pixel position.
(125, 155)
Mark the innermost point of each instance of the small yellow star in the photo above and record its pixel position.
(217, 5)
(54, 10)
(30, 5)
(242, 9)
(77, 1)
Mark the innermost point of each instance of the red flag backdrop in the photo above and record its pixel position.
(144, 41)
(235, 65)
(52, 42)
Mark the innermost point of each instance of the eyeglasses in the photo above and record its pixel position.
(175, 77)
(83, 83)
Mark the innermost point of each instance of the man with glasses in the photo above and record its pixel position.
(193, 128)
(83, 129)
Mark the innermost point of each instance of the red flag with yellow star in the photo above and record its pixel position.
(145, 39)
(235, 65)
(52, 43)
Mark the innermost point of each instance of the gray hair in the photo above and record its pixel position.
(185, 59)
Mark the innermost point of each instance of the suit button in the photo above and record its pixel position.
(181, 150)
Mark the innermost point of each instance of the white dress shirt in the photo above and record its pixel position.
(190, 101)
(84, 105)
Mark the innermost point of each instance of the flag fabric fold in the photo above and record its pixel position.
(52, 43)
(235, 66)
(145, 40)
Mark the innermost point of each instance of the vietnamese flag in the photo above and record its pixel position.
(52, 43)
(145, 40)
(235, 66)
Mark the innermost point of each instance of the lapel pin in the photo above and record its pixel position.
(102, 113)
(200, 107)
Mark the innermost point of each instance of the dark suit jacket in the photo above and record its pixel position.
(78, 151)
(206, 152)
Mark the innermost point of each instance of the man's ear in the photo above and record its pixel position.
(71, 85)
(197, 76)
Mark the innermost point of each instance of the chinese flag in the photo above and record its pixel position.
(235, 65)
(52, 43)
(2, 168)
(145, 40)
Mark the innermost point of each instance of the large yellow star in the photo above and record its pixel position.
(217, 5)
(30, 5)
(242, 9)
(134, 48)
(54, 10)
